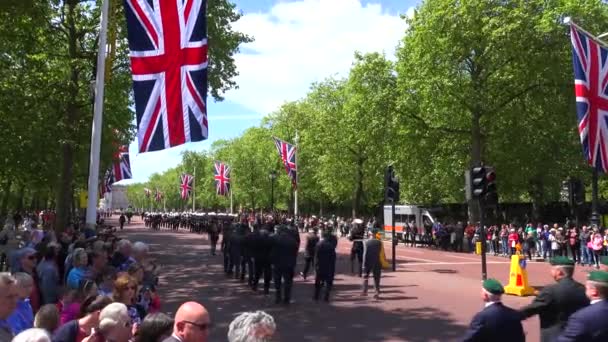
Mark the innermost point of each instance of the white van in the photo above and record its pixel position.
(415, 216)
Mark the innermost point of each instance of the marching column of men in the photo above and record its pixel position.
(265, 252)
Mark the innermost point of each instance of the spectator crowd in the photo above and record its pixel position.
(91, 285)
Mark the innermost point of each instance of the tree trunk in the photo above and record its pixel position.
(21, 198)
(536, 193)
(6, 195)
(63, 188)
(66, 174)
(358, 187)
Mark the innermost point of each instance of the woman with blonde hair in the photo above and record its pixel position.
(125, 292)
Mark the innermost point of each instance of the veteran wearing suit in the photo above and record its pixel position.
(192, 324)
(555, 303)
(590, 324)
(496, 322)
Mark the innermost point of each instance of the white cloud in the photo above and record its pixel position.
(298, 43)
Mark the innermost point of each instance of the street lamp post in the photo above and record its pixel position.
(273, 176)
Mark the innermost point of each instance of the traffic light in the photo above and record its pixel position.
(478, 181)
(391, 185)
(566, 194)
(491, 191)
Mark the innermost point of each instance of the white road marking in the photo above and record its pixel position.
(450, 263)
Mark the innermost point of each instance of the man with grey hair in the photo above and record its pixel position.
(555, 303)
(8, 304)
(122, 259)
(252, 327)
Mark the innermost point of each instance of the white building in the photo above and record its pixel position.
(117, 199)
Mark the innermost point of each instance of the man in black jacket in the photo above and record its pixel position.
(496, 322)
(261, 249)
(555, 303)
(356, 251)
(311, 243)
(284, 257)
(325, 264)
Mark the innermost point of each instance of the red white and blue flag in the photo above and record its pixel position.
(221, 174)
(168, 52)
(106, 183)
(147, 192)
(185, 186)
(590, 59)
(122, 166)
(287, 152)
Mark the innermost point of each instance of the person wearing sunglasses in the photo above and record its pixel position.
(192, 324)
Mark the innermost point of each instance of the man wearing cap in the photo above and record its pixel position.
(496, 322)
(590, 324)
(555, 303)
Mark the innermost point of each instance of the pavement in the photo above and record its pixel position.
(432, 296)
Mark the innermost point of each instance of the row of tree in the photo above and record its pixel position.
(472, 81)
(47, 69)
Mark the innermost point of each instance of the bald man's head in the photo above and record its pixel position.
(192, 322)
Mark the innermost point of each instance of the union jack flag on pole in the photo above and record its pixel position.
(590, 59)
(185, 185)
(168, 52)
(147, 192)
(287, 152)
(221, 175)
(122, 166)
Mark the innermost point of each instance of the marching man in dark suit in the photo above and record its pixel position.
(555, 303)
(325, 264)
(590, 324)
(496, 322)
(192, 324)
(371, 264)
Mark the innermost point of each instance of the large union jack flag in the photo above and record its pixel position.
(287, 152)
(106, 183)
(122, 166)
(185, 186)
(221, 174)
(590, 60)
(168, 51)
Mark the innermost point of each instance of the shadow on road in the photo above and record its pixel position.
(190, 273)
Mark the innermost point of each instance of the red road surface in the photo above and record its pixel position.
(431, 297)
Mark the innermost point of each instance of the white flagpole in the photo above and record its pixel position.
(295, 197)
(194, 190)
(231, 199)
(91, 217)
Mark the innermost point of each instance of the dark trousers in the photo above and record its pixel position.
(213, 243)
(283, 282)
(247, 267)
(356, 254)
(235, 264)
(262, 268)
(323, 281)
(308, 261)
(227, 263)
(376, 271)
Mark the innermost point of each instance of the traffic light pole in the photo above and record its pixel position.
(595, 217)
(484, 267)
(394, 240)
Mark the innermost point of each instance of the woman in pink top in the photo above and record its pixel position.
(70, 308)
(596, 243)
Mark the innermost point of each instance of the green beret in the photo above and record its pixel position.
(604, 260)
(598, 276)
(493, 286)
(562, 261)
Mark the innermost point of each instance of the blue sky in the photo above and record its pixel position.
(297, 43)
